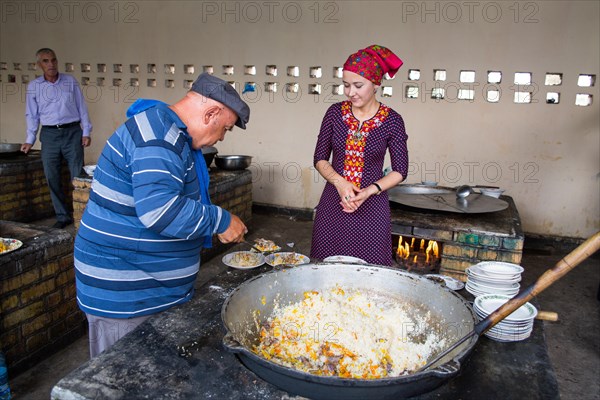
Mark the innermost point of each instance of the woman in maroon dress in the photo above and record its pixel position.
(353, 215)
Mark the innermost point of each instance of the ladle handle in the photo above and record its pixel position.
(570, 261)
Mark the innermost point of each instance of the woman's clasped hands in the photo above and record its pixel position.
(352, 197)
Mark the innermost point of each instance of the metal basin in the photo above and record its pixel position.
(259, 295)
(10, 147)
(233, 163)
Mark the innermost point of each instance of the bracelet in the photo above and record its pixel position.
(378, 187)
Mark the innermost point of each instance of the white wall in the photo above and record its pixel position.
(545, 156)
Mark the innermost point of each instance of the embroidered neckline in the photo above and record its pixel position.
(356, 140)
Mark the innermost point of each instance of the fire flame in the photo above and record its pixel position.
(404, 250)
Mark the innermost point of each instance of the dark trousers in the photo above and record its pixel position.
(59, 144)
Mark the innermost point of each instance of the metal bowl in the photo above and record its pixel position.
(233, 163)
(10, 147)
(209, 154)
(492, 192)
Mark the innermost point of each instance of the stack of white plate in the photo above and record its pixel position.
(517, 326)
(494, 277)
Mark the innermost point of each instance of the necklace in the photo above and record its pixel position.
(358, 135)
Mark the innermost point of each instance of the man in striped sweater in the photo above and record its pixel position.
(137, 251)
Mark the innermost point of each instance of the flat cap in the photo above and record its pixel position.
(217, 89)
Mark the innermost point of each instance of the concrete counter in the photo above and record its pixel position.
(147, 363)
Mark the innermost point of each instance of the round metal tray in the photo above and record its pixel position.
(444, 199)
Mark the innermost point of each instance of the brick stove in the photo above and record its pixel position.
(464, 239)
(24, 193)
(38, 308)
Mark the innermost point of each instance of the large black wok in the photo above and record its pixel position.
(455, 318)
(452, 315)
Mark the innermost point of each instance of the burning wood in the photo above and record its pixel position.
(424, 256)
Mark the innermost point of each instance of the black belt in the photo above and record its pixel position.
(62, 126)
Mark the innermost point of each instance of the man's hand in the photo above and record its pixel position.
(86, 141)
(25, 147)
(235, 232)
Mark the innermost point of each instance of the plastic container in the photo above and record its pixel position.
(4, 388)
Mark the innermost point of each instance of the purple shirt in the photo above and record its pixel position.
(55, 103)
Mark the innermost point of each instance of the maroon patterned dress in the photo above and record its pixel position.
(358, 157)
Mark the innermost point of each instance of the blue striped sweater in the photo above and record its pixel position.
(137, 251)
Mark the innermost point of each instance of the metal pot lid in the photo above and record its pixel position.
(444, 199)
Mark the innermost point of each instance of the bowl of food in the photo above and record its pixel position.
(233, 163)
(491, 192)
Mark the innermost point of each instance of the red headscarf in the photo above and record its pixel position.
(373, 62)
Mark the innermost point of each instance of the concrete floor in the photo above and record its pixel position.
(573, 341)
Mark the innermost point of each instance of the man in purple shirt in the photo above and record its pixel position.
(55, 101)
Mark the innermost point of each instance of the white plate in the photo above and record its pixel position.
(345, 259)
(496, 288)
(474, 292)
(488, 303)
(486, 273)
(286, 258)
(451, 283)
(505, 324)
(484, 286)
(507, 337)
(238, 258)
(10, 244)
(477, 291)
(512, 329)
(474, 272)
(498, 268)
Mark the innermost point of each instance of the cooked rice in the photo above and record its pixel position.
(349, 333)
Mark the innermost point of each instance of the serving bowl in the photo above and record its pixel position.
(491, 192)
(233, 163)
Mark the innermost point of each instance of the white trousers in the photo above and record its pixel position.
(104, 332)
